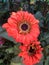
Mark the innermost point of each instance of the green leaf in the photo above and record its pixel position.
(1, 61)
(47, 61)
(9, 50)
(4, 34)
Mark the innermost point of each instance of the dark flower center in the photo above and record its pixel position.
(31, 50)
(24, 27)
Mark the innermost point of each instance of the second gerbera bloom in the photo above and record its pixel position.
(31, 54)
(23, 27)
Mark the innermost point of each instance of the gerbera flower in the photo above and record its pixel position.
(31, 54)
(22, 26)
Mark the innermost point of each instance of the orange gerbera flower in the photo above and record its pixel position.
(22, 26)
(31, 54)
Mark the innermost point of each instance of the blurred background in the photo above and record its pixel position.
(9, 49)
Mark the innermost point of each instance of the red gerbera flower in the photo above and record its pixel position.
(22, 26)
(31, 54)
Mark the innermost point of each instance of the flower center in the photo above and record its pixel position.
(24, 27)
(31, 50)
